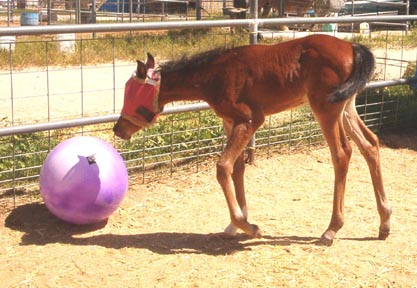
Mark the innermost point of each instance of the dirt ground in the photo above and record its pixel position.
(165, 234)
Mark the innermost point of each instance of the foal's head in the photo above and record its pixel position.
(140, 106)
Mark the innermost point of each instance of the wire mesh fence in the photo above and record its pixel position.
(48, 78)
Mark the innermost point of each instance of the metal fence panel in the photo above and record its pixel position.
(51, 102)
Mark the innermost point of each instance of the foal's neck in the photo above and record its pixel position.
(178, 87)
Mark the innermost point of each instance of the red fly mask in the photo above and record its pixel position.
(141, 99)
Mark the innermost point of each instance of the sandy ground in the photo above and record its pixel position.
(165, 234)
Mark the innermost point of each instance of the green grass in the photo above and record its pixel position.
(42, 51)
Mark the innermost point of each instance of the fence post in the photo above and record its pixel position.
(48, 12)
(253, 41)
(78, 12)
(198, 9)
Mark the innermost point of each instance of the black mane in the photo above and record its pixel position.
(192, 62)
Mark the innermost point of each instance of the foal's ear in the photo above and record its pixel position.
(150, 62)
(141, 70)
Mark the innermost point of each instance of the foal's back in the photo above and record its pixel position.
(282, 76)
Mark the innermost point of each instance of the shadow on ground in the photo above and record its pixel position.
(40, 227)
(400, 138)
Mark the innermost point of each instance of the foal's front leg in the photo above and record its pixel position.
(230, 173)
(239, 184)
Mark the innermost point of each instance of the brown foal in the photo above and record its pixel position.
(244, 84)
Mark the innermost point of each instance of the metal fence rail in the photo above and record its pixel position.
(33, 122)
(257, 22)
(71, 123)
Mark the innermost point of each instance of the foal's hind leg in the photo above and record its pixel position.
(332, 127)
(369, 147)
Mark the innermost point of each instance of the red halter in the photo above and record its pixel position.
(141, 99)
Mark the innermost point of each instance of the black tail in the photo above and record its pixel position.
(363, 69)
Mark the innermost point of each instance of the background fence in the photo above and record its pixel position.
(55, 12)
(50, 76)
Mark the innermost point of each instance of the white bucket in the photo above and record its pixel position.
(66, 42)
(364, 28)
(7, 42)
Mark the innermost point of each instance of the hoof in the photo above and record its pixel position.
(383, 235)
(256, 232)
(326, 240)
(230, 230)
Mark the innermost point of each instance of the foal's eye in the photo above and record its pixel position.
(145, 113)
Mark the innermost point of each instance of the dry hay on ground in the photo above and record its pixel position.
(165, 232)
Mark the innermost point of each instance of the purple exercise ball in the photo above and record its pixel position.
(83, 180)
